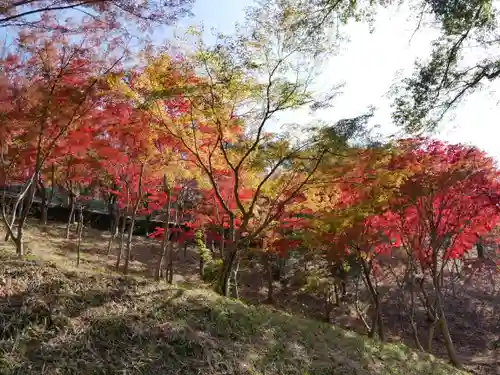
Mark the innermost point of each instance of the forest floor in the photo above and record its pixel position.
(105, 323)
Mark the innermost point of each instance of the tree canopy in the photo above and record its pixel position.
(440, 82)
(185, 144)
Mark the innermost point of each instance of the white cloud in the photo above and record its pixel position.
(369, 64)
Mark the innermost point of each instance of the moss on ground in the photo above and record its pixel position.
(56, 321)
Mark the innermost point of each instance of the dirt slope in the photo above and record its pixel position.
(59, 321)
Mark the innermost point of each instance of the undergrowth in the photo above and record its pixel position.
(56, 321)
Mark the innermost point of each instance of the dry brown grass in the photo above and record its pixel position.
(56, 319)
(49, 243)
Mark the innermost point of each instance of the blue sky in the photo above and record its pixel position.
(220, 14)
(369, 64)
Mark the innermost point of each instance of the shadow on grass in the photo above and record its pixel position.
(118, 325)
(472, 313)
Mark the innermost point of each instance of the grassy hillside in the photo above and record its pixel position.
(58, 321)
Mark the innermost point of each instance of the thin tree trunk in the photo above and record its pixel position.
(202, 268)
(164, 245)
(114, 214)
(328, 305)
(52, 191)
(17, 208)
(202, 262)
(20, 209)
(227, 267)
(44, 205)
(71, 214)
(45, 212)
(22, 220)
(223, 234)
(336, 291)
(480, 249)
(148, 217)
(114, 233)
(7, 235)
(128, 247)
(223, 286)
(431, 329)
(212, 248)
(46, 198)
(430, 336)
(10, 226)
(19, 244)
(380, 324)
(14, 214)
(80, 232)
(20, 235)
(234, 276)
(413, 324)
(377, 322)
(122, 242)
(269, 276)
(169, 276)
(356, 306)
(450, 347)
(111, 240)
(426, 301)
(222, 244)
(443, 323)
(170, 254)
(166, 233)
(373, 330)
(113, 210)
(128, 250)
